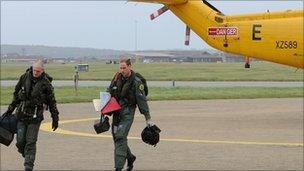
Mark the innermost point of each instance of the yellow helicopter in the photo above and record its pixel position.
(270, 36)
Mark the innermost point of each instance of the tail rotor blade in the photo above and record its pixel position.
(187, 38)
(158, 12)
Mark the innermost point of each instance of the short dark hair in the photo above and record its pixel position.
(126, 60)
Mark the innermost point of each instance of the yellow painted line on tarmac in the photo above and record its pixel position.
(47, 127)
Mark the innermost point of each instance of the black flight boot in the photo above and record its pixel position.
(26, 168)
(131, 160)
(118, 169)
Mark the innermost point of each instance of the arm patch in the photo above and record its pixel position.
(141, 87)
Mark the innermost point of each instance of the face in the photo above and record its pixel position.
(124, 69)
(37, 71)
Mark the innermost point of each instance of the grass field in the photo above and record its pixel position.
(67, 94)
(168, 71)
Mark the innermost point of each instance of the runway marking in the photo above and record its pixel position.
(47, 127)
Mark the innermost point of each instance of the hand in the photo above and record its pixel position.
(104, 118)
(149, 123)
(54, 125)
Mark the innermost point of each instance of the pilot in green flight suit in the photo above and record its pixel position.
(32, 92)
(129, 90)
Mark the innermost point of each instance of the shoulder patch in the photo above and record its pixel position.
(141, 87)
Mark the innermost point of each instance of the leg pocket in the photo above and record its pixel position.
(21, 132)
(124, 126)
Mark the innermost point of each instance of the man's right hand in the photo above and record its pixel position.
(149, 123)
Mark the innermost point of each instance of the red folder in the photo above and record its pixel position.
(110, 107)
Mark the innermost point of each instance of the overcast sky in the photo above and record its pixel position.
(109, 24)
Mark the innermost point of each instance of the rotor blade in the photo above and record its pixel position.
(187, 38)
(158, 12)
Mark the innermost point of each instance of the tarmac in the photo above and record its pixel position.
(242, 134)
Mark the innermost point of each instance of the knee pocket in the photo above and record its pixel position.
(120, 139)
(120, 132)
(20, 141)
(120, 153)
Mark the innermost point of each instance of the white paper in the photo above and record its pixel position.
(104, 99)
(96, 103)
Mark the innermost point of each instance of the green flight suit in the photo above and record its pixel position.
(31, 95)
(130, 93)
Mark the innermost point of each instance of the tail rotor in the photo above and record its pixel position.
(163, 10)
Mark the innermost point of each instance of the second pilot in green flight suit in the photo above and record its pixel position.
(129, 90)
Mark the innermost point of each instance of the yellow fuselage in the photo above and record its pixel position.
(270, 36)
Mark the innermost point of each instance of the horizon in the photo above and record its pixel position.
(193, 49)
